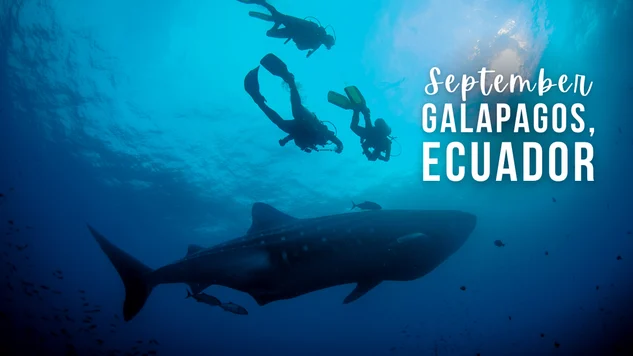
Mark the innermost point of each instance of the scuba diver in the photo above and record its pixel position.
(306, 129)
(307, 35)
(374, 138)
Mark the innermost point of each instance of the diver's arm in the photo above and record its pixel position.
(335, 140)
(312, 51)
(285, 140)
(387, 154)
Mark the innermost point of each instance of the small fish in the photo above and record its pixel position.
(499, 243)
(153, 341)
(556, 344)
(542, 335)
(45, 287)
(546, 253)
(462, 287)
(69, 319)
(204, 298)
(10, 222)
(21, 248)
(509, 318)
(234, 308)
(618, 258)
(368, 205)
(553, 199)
(82, 291)
(597, 287)
(92, 311)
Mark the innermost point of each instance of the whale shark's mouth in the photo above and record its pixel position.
(409, 237)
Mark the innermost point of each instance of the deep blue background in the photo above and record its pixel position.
(132, 117)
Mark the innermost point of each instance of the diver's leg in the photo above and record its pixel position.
(284, 125)
(273, 12)
(357, 129)
(299, 112)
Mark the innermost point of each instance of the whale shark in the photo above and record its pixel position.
(282, 257)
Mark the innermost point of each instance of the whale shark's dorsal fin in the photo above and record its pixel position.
(266, 217)
(191, 249)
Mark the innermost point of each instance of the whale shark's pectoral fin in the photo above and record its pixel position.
(198, 287)
(361, 289)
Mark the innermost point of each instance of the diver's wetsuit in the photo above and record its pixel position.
(306, 130)
(370, 137)
(307, 35)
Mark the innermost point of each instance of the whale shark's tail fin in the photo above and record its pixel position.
(353, 205)
(133, 273)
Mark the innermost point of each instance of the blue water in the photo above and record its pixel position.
(131, 116)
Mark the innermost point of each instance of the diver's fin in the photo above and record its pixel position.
(266, 217)
(339, 100)
(259, 15)
(133, 274)
(251, 85)
(275, 66)
(361, 289)
(355, 96)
